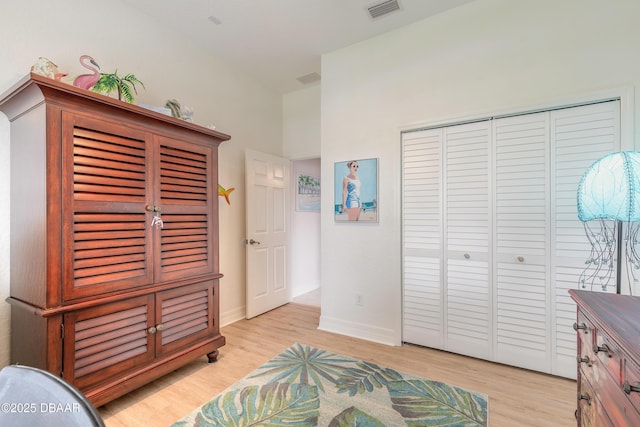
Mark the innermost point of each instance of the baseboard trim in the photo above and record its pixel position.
(301, 290)
(358, 330)
(231, 316)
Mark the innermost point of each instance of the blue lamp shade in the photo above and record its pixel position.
(609, 188)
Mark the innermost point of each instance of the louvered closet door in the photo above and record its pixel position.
(512, 245)
(423, 318)
(522, 297)
(185, 196)
(468, 296)
(105, 182)
(579, 136)
(107, 340)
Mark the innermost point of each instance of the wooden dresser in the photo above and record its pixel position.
(608, 330)
(114, 238)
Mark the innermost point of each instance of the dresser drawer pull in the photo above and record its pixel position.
(604, 349)
(582, 326)
(628, 388)
(584, 360)
(584, 397)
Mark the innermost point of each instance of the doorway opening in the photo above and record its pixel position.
(305, 235)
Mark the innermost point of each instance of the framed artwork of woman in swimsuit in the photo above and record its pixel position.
(356, 190)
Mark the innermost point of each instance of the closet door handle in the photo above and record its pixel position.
(520, 259)
(467, 256)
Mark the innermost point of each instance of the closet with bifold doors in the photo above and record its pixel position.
(491, 240)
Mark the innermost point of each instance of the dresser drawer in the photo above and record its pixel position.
(618, 407)
(590, 410)
(586, 331)
(594, 367)
(609, 355)
(631, 384)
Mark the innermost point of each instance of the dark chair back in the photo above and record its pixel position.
(36, 398)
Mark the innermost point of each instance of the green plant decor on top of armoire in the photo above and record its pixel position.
(125, 86)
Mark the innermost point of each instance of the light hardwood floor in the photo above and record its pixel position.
(517, 397)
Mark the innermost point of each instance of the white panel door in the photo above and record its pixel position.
(579, 137)
(423, 318)
(468, 296)
(522, 301)
(267, 206)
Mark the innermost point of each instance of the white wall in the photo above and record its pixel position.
(484, 57)
(301, 123)
(170, 67)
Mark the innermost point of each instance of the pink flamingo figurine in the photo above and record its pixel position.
(86, 81)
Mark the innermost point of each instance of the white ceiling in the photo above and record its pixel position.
(277, 41)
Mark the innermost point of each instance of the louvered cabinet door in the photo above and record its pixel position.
(186, 176)
(105, 188)
(104, 341)
(522, 297)
(468, 303)
(185, 316)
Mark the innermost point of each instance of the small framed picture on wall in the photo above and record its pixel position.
(356, 191)
(308, 193)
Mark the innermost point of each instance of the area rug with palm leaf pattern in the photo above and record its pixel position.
(307, 386)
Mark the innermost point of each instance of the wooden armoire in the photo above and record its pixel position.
(114, 238)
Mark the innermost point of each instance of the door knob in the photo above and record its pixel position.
(253, 242)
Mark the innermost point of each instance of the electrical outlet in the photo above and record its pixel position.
(358, 299)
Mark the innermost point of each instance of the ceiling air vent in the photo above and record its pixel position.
(309, 78)
(383, 8)
(214, 20)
